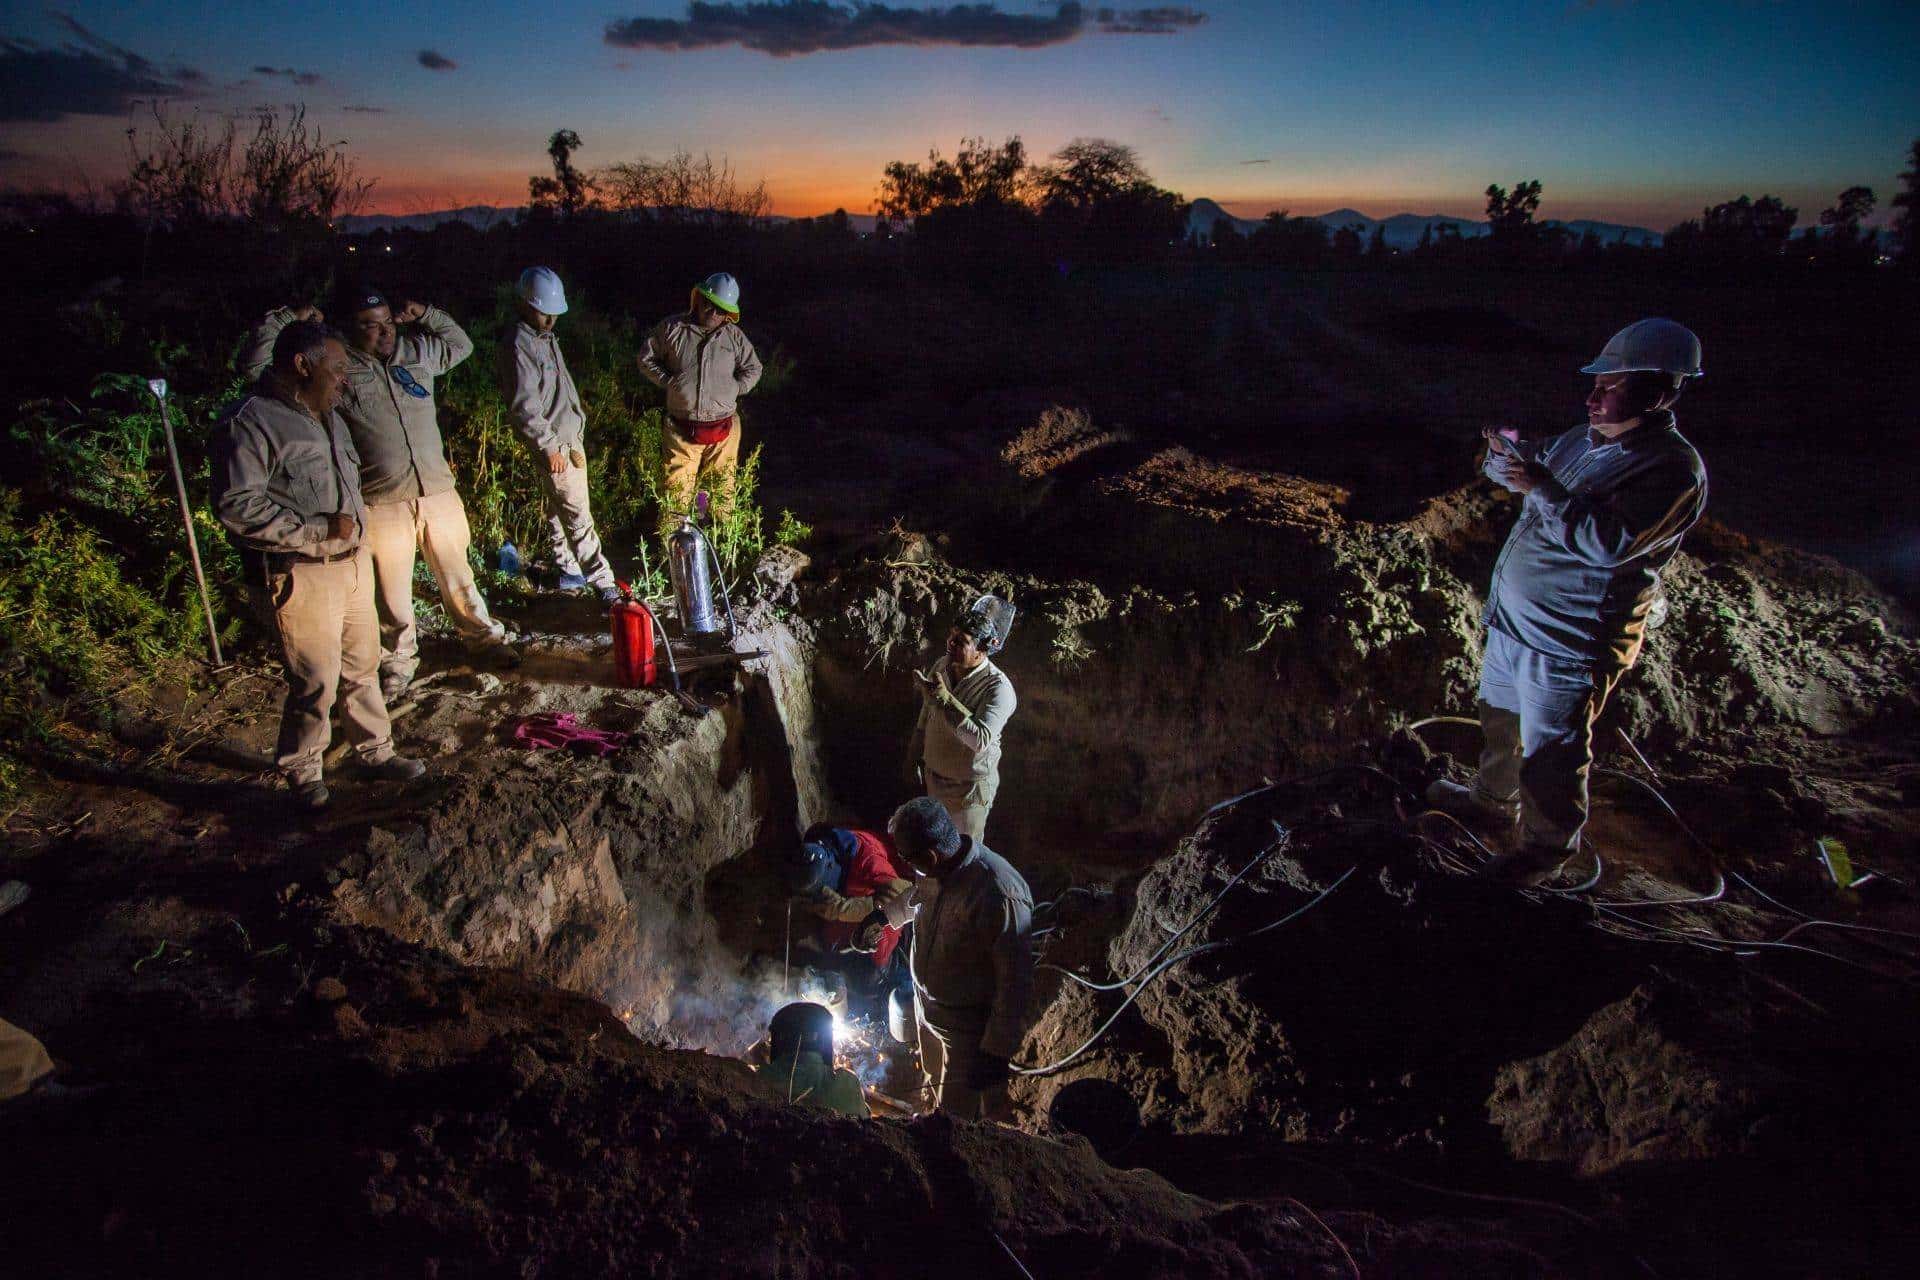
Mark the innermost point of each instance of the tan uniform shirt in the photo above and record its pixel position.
(966, 747)
(704, 372)
(542, 403)
(397, 433)
(278, 472)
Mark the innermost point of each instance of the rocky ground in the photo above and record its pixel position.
(490, 1024)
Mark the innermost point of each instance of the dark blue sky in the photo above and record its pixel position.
(1633, 112)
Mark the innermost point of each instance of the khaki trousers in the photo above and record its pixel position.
(967, 802)
(23, 1061)
(437, 527)
(1536, 718)
(946, 1055)
(570, 532)
(328, 639)
(686, 463)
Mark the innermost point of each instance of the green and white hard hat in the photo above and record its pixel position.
(722, 290)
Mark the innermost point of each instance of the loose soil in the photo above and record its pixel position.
(491, 1024)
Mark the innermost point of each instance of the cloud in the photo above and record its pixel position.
(88, 77)
(1263, 160)
(357, 109)
(789, 28)
(434, 61)
(1166, 20)
(298, 77)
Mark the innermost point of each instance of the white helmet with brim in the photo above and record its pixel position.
(1650, 346)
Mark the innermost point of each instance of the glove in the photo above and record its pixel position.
(866, 939)
(987, 1072)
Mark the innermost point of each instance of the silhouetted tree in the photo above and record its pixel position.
(569, 190)
(1843, 244)
(1347, 241)
(1906, 222)
(1300, 242)
(1228, 244)
(1510, 215)
(1377, 244)
(683, 191)
(1089, 171)
(1736, 230)
(981, 174)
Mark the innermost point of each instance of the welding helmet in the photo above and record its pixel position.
(987, 620)
(802, 1027)
(811, 868)
(901, 1023)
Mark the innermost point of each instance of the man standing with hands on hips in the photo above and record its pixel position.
(544, 407)
(704, 363)
(1604, 507)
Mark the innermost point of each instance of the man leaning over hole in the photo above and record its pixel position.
(971, 956)
(1604, 507)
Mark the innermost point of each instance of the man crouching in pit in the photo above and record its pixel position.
(971, 957)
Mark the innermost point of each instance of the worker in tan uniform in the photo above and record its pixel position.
(966, 702)
(544, 407)
(394, 353)
(286, 485)
(704, 363)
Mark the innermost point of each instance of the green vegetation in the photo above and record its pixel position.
(96, 595)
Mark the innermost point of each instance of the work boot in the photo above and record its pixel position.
(571, 582)
(393, 769)
(1486, 818)
(1527, 866)
(611, 595)
(311, 795)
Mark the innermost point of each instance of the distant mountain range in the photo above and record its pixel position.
(1403, 230)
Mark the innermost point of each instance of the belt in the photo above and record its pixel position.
(284, 561)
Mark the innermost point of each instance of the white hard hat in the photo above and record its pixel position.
(540, 289)
(722, 290)
(1655, 346)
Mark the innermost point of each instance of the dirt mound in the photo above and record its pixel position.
(628, 878)
(1350, 987)
(369, 1108)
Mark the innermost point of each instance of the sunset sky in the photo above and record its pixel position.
(1628, 112)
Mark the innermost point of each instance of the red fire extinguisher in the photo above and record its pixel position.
(634, 629)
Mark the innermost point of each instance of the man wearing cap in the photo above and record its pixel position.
(971, 953)
(966, 702)
(1604, 507)
(544, 407)
(286, 485)
(393, 356)
(704, 363)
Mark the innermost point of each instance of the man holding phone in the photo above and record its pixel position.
(1604, 507)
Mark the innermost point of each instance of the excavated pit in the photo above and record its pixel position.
(649, 880)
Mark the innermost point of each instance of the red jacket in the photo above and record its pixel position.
(874, 866)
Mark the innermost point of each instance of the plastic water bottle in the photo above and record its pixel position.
(509, 559)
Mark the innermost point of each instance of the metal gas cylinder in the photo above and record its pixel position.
(688, 565)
